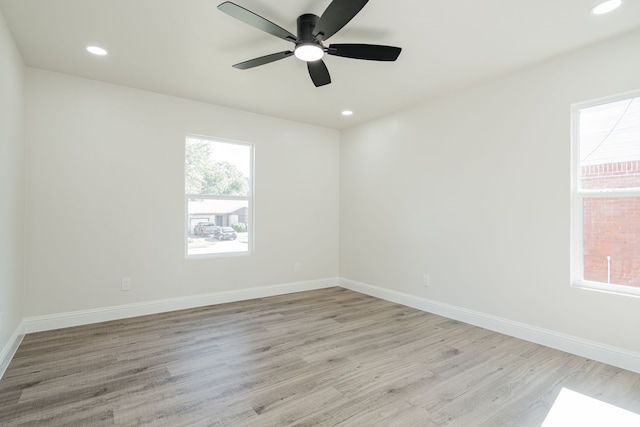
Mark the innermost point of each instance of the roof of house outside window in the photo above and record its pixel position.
(220, 207)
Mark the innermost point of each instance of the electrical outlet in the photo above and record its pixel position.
(297, 267)
(425, 280)
(126, 283)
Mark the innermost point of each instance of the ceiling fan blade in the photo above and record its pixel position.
(256, 21)
(371, 52)
(336, 16)
(263, 60)
(319, 73)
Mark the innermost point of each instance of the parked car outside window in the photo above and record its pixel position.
(225, 233)
(205, 228)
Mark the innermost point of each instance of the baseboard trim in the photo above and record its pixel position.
(584, 348)
(590, 349)
(85, 317)
(10, 348)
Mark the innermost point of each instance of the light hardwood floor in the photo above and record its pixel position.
(329, 358)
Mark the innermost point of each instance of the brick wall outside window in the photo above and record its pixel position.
(612, 225)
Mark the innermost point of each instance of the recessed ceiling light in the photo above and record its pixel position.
(96, 50)
(347, 113)
(606, 7)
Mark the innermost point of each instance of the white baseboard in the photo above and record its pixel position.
(593, 350)
(589, 349)
(10, 348)
(85, 317)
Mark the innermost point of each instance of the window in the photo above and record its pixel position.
(606, 195)
(218, 197)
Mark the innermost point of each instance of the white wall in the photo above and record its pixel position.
(11, 192)
(473, 188)
(105, 197)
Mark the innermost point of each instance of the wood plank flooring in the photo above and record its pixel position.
(328, 358)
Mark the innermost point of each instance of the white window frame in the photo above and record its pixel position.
(578, 196)
(249, 199)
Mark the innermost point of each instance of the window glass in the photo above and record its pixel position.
(606, 199)
(218, 196)
(610, 145)
(612, 240)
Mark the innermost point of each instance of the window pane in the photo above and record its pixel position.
(612, 240)
(217, 168)
(217, 226)
(610, 145)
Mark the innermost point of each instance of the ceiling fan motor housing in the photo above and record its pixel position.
(306, 24)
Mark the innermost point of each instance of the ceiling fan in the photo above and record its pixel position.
(312, 32)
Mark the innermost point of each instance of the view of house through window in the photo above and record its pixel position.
(218, 196)
(606, 247)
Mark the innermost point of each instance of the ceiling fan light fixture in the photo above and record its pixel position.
(309, 52)
(606, 7)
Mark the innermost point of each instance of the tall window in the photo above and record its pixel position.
(218, 197)
(606, 195)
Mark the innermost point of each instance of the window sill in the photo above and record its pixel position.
(629, 291)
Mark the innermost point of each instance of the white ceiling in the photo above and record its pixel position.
(186, 48)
